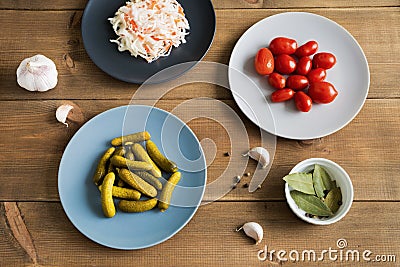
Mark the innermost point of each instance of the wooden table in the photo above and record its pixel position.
(34, 229)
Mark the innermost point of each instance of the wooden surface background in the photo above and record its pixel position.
(34, 229)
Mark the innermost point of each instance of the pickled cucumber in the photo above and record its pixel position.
(110, 167)
(107, 202)
(137, 183)
(101, 166)
(122, 162)
(120, 183)
(135, 138)
(125, 193)
(129, 155)
(119, 151)
(137, 206)
(166, 193)
(141, 154)
(162, 162)
(150, 179)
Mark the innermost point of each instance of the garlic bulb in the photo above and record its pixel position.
(260, 154)
(62, 113)
(253, 230)
(37, 73)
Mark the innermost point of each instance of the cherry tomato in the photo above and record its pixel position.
(285, 64)
(324, 60)
(307, 49)
(282, 95)
(322, 92)
(316, 75)
(264, 61)
(276, 80)
(297, 82)
(283, 45)
(303, 101)
(304, 66)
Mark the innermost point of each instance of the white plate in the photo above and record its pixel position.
(350, 76)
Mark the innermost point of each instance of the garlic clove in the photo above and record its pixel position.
(62, 113)
(260, 154)
(37, 73)
(253, 230)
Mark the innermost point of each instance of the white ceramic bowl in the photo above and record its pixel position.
(336, 173)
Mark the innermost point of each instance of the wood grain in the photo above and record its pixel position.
(218, 4)
(34, 230)
(327, 4)
(368, 149)
(18, 230)
(209, 238)
(57, 35)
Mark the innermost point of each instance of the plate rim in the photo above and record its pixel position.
(187, 220)
(292, 136)
(140, 81)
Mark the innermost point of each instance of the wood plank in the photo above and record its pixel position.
(79, 78)
(371, 43)
(368, 149)
(218, 4)
(43, 5)
(326, 4)
(209, 238)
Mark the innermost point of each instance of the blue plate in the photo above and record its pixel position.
(80, 198)
(97, 32)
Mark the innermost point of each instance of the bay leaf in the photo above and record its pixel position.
(310, 204)
(319, 185)
(333, 198)
(301, 182)
(320, 172)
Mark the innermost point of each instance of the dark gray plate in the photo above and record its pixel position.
(97, 32)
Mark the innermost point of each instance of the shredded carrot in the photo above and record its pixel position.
(146, 47)
(180, 11)
(133, 23)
